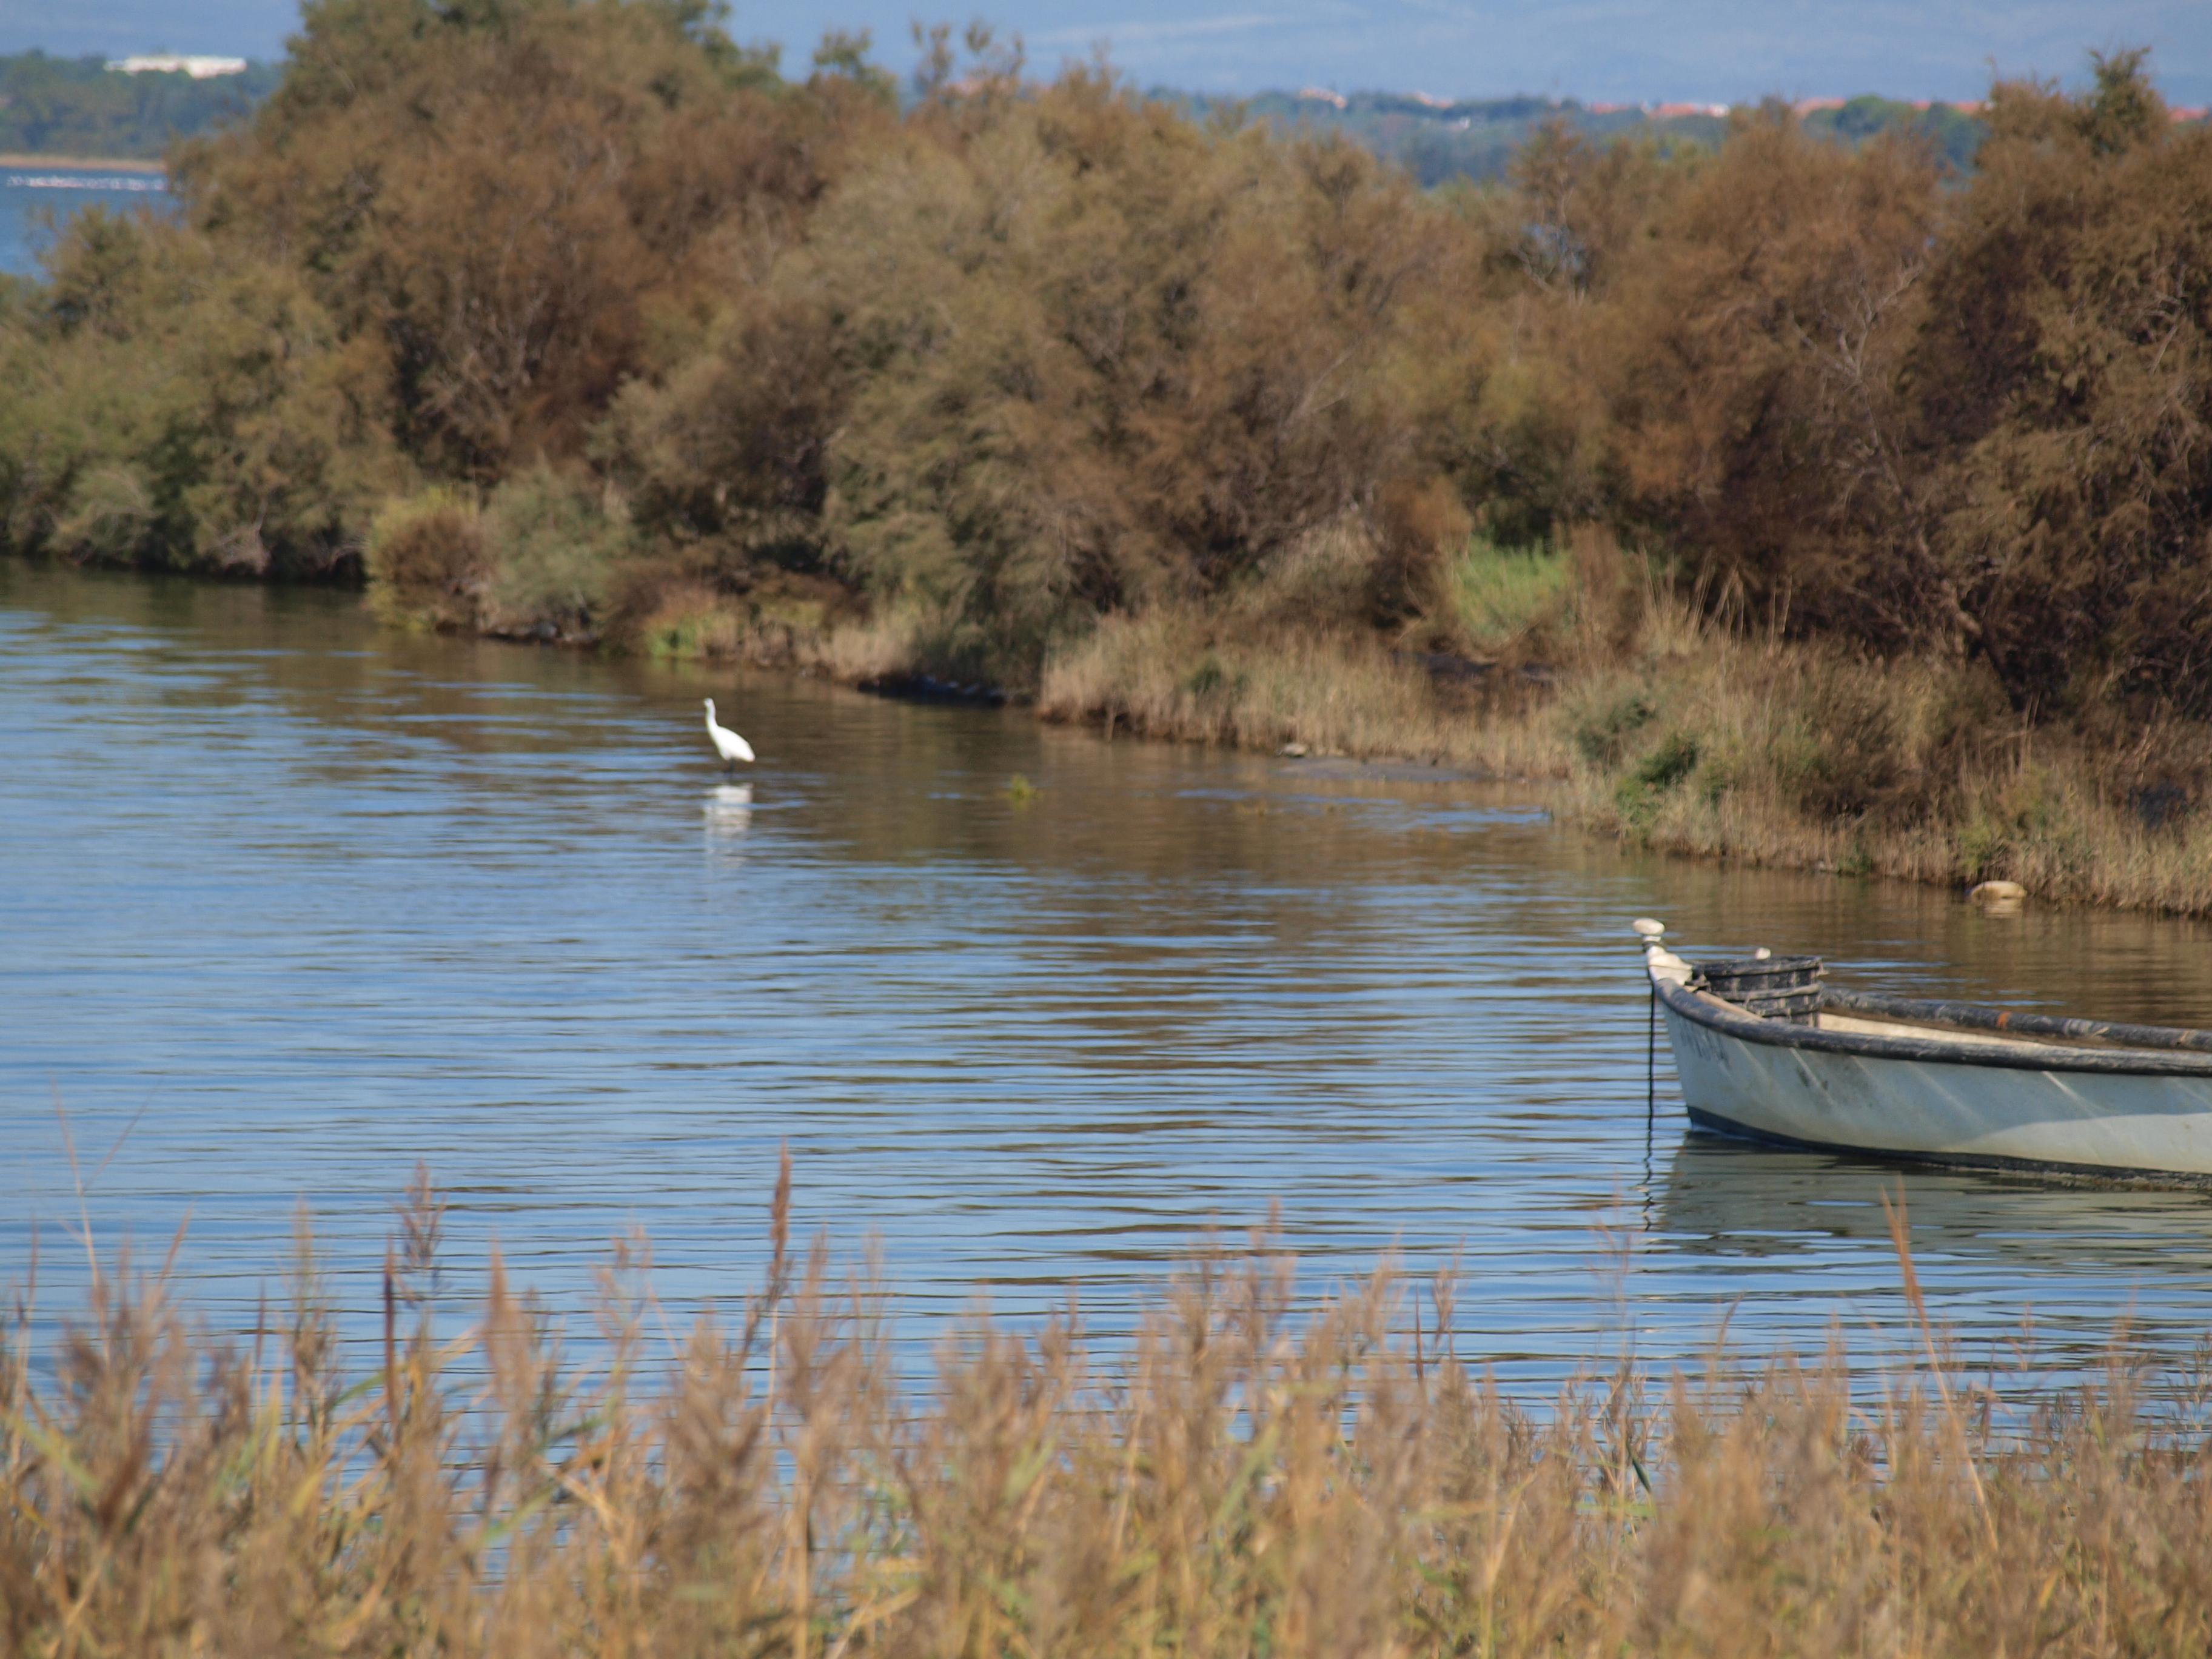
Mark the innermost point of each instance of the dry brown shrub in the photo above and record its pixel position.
(504, 201)
(1752, 351)
(429, 559)
(2066, 380)
(1422, 522)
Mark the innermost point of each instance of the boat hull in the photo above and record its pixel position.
(2100, 1121)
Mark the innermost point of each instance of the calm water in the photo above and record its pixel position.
(34, 198)
(289, 904)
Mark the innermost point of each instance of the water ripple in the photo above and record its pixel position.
(311, 903)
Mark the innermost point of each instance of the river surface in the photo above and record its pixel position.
(289, 904)
(36, 197)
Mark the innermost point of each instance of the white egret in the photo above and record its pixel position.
(727, 744)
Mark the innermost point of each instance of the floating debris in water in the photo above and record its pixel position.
(1998, 898)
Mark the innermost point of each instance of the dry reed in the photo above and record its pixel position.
(1800, 755)
(1648, 714)
(1240, 1478)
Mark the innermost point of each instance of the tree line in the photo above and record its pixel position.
(1476, 138)
(78, 106)
(537, 311)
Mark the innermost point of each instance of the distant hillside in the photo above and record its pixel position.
(79, 107)
(1474, 138)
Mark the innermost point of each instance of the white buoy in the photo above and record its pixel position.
(727, 744)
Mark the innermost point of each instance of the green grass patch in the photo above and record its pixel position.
(1501, 595)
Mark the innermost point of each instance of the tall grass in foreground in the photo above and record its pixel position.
(1233, 1480)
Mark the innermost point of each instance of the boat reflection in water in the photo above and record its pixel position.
(2045, 1243)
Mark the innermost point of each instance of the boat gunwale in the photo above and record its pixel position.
(2147, 1050)
(2014, 1022)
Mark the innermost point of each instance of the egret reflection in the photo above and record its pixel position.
(729, 810)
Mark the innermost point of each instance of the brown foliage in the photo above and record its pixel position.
(1752, 350)
(503, 197)
(2066, 376)
(1422, 523)
(1046, 356)
(1971, 419)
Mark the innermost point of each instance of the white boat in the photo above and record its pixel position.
(1764, 1049)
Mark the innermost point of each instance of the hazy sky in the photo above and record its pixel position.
(1630, 50)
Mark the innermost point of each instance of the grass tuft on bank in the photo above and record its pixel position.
(1642, 717)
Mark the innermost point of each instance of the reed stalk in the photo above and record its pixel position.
(1249, 1473)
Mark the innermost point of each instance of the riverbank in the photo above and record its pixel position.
(1635, 712)
(1631, 714)
(1245, 1474)
(1706, 745)
(1788, 756)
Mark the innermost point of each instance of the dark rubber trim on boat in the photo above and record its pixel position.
(2010, 1022)
(2175, 1053)
(1714, 1124)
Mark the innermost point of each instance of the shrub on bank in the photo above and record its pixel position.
(539, 559)
(556, 552)
(430, 558)
(168, 402)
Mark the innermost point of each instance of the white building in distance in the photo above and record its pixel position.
(169, 63)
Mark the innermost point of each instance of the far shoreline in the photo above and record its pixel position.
(1344, 707)
(89, 163)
